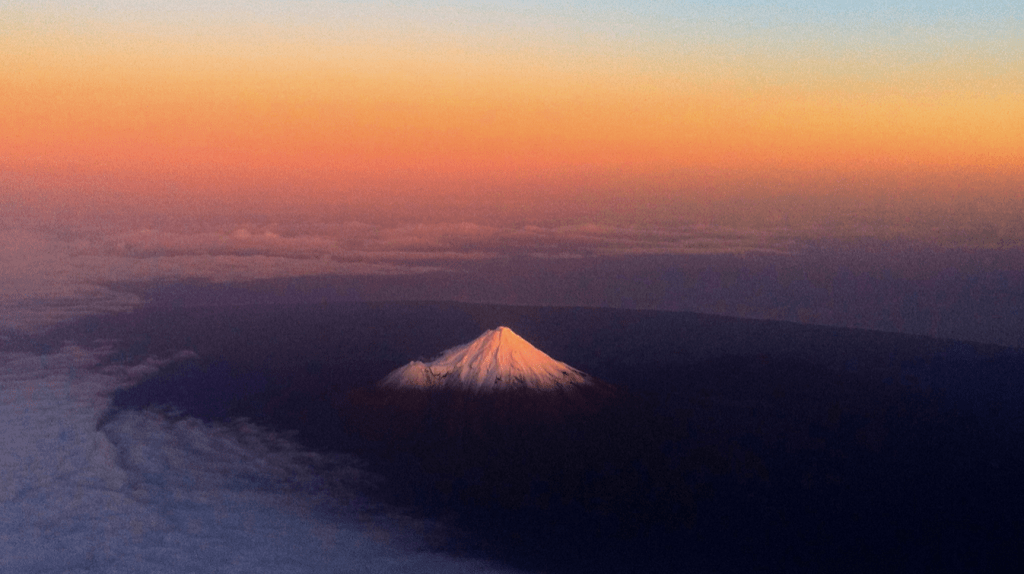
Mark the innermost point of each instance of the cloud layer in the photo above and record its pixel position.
(152, 492)
(946, 281)
(50, 275)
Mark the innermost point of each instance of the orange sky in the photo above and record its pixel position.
(323, 122)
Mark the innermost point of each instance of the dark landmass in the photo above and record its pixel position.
(720, 444)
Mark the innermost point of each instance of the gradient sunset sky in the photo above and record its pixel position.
(845, 163)
(518, 107)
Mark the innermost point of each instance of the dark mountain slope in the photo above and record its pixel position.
(726, 444)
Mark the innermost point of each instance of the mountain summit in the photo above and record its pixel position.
(497, 360)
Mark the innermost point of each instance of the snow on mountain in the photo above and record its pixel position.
(499, 359)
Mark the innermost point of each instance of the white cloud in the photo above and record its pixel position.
(156, 493)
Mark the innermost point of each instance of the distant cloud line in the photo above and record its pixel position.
(49, 276)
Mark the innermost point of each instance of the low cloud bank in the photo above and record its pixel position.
(48, 276)
(944, 282)
(150, 491)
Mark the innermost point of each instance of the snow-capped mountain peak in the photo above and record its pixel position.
(499, 359)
